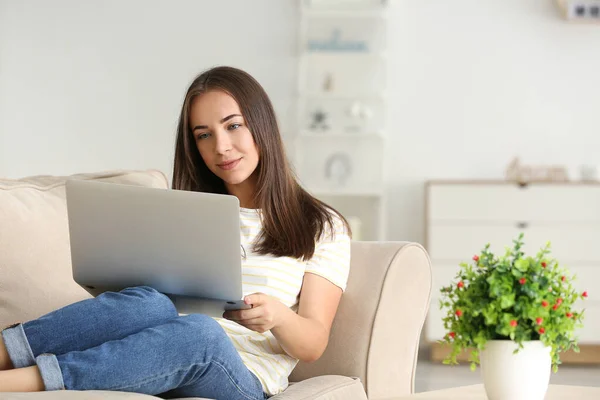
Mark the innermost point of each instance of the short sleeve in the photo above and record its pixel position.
(332, 256)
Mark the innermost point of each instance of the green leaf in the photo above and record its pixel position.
(522, 265)
(516, 273)
(507, 301)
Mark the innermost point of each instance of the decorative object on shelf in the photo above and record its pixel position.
(346, 4)
(352, 115)
(338, 169)
(359, 113)
(589, 173)
(336, 43)
(328, 82)
(516, 312)
(360, 110)
(580, 10)
(524, 174)
(319, 120)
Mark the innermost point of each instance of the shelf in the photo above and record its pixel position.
(382, 13)
(367, 192)
(342, 75)
(337, 96)
(343, 56)
(341, 96)
(345, 6)
(346, 56)
(340, 135)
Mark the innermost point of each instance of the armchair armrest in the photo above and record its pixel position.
(375, 335)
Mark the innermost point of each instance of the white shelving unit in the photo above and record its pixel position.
(340, 137)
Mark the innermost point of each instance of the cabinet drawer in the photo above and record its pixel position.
(507, 202)
(570, 243)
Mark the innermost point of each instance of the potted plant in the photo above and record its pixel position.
(515, 314)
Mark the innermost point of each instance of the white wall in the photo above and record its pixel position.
(477, 82)
(91, 85)
(98, 84)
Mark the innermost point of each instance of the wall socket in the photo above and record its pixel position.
(581, 10)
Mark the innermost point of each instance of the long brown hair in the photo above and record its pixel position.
(292, 219)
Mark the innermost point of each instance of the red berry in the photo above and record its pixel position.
(452, 335)
(562, 278)
(539, 320)
(559, 301)
(522, 281)
(555, 307)
(513, 323)
(584, 294)
(569, 315)
(475, 257)
(544, 265)
(460, 284)
(542, 331)
(459, 313)
(544, 303)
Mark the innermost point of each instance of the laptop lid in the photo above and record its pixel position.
(181, 243)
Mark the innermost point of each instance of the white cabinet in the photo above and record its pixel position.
(461, 217)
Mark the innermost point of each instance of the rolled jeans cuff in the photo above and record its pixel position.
(17, 346)
(50, 372)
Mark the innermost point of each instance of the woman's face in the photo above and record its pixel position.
(222, 137)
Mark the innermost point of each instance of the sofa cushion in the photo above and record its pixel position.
(319, 388)
(78, 395)
(82, 395)
(326, 387)
(35, 259)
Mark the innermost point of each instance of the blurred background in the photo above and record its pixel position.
(412, 117)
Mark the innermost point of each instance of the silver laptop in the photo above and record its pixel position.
(184, 244)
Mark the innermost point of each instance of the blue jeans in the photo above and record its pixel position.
(132, 341)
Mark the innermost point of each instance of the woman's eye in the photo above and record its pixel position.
(234, 126)
(202, 136)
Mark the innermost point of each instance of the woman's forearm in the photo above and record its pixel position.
(300, 337)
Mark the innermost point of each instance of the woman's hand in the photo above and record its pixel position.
(266, 313)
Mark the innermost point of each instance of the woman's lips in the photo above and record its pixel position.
(229, 164)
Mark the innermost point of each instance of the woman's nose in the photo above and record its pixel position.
(223, 143)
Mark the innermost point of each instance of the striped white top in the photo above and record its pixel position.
(281, 277)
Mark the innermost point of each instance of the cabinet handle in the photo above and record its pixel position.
(522, 225)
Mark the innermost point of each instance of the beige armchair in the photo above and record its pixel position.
(375, 336)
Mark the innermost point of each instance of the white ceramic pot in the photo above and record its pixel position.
(521, 376)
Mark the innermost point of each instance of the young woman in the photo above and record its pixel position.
(294, 272)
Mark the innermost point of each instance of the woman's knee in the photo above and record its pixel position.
(151, 300)
(200, 325)
(202, 321)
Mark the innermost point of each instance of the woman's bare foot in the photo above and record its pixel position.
(21, 380)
